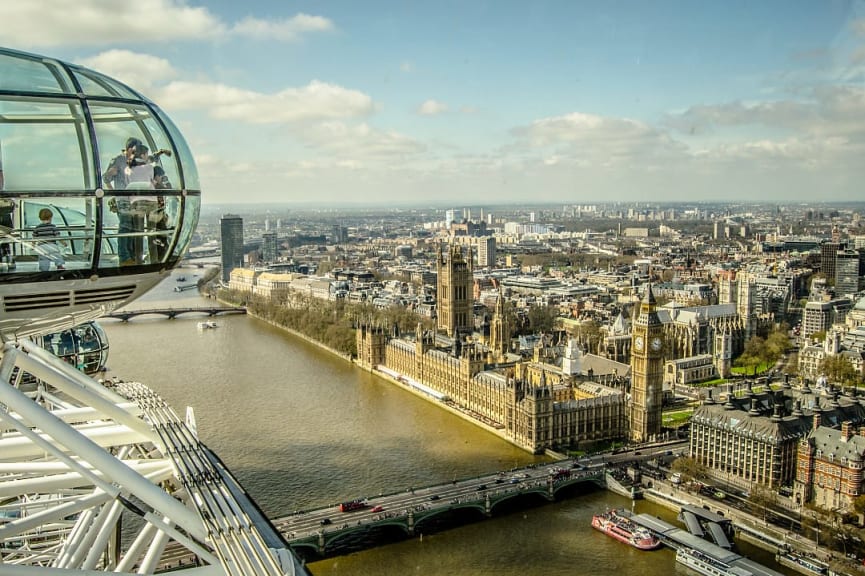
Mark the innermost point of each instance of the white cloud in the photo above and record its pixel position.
(406, 67)
(315, 101)
(50, 23)
(343, 141)
(703, 119)
(140, 71)
(289, 30)
(432, 108)
(828, 111)
(589, 140)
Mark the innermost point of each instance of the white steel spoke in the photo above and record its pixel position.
(77, 458)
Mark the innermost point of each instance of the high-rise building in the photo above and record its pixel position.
(450, 218)
(231, 232)
(828, 252)
(647, 371)
(454, 290)
(339, 234)
(848, 271)
(269, 247)
(486, 251)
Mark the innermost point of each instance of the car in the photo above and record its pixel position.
(499, 480)
(481, 487)
(377, 508)
(434, 497)
(638, 453)
(325, 521)
(515, 480)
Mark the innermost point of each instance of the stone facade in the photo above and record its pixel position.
(830, 464)
(534, 403)
(754, 439)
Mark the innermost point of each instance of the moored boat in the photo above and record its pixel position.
(706, 565)
(622, 528)
(207, 325)
(803, 563)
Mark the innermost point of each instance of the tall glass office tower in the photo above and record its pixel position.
(231, 229)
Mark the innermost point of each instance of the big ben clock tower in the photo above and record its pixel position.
(647, 371)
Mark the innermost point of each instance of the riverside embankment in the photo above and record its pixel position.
(450, 407)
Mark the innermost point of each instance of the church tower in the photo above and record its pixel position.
(371, 344)
(647, 371)
(723, 347)
(500, 331)
(454, 290)
(745, 302)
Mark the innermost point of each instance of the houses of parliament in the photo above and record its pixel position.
(557, 397)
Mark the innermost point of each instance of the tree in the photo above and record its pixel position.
(761, 499)
(859, 504)
(542, 318)
(764, 351)
(838, 369)
(588, 333)
(689, 468)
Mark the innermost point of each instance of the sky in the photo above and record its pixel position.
(479, 102)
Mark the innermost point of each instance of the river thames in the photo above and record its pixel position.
(301, 428)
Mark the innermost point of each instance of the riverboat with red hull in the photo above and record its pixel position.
(616, 524)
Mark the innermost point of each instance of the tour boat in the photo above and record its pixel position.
(625, 530)
(802, 563)
(207, 325)
(699, 562)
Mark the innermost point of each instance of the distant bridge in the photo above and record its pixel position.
(172, 313)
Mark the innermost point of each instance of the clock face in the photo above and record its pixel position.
(638, 342)
(656, 344)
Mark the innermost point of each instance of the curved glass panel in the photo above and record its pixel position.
(44, 144)
(73, 246)
(96, 84)
(24, 73)
(192, 208)
(115, 125)
(184, 155)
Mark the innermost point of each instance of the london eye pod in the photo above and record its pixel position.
(85, 346)
(113, 175)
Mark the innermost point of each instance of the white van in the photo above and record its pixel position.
(676, 478)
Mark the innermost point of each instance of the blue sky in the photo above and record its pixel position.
(483, 102)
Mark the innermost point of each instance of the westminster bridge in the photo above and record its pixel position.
(387, 517)
(172, 313)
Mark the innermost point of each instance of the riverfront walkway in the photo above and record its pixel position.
(326, 530)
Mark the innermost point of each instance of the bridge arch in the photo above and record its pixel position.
(354, 537)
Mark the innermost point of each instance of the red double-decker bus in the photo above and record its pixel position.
(352, 505)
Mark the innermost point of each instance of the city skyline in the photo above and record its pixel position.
(564, 102)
